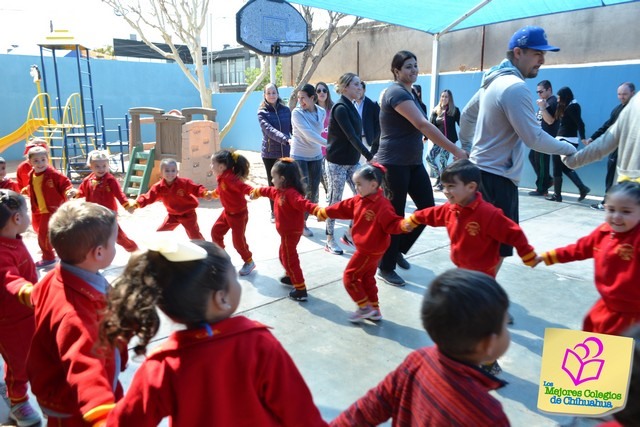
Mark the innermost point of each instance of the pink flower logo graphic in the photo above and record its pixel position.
(581, 363)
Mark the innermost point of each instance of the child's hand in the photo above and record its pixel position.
(131, 205)
(320, 213)
(72, 193)
(255, 194)
(207, 195)
(537, 260)
(213, 194)
(407, 226)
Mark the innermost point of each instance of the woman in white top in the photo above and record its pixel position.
(307, 120)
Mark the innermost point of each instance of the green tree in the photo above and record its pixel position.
(250, 75)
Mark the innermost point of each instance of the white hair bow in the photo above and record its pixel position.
(175, 250)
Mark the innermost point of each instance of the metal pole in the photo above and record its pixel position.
(272, 68)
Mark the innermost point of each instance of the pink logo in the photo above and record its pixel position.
(581, 364)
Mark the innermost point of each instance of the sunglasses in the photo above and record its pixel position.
(321, 90)
(539, 91)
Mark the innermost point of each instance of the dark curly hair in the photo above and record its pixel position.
(180, 289)
(234, 161)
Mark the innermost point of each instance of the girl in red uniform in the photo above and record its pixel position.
(180, 197)
(231, 170)
(374, 220)
(614, 247)
(22, 172)
(17, 276)
(228, 370)
(102, 188)
(290, 205)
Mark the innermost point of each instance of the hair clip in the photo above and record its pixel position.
(379, 166)
(287, 160)
(234, 156)
(175, 250)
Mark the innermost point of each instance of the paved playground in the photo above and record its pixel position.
(341, 361)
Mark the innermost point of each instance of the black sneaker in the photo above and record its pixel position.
(298, 294)
(492, 368)
(597, 206)
(402, 263)
(286, 280)
(537, 193)
(347, 240)
(390, 277)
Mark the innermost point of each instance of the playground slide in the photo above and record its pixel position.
(22, 133)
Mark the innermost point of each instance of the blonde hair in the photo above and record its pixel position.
(96, 155)
(166, 162)
(34, 151)
(344, 81)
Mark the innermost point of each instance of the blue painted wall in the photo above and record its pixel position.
(120, 85)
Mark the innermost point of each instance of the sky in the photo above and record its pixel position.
(24, 23)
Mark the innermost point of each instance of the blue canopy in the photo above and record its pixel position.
(434, 16)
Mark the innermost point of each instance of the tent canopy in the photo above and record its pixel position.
(434, 16)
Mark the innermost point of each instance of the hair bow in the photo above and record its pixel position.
(379, 166)
(175, 250)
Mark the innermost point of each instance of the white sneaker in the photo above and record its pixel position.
(332, 247)
(24, 415)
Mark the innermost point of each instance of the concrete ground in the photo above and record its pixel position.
(340, 361)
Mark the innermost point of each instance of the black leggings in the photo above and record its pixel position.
(268, 164)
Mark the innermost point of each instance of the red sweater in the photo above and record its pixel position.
(104, 191)
(69, 374)
(22, 174)
(289, 208)
(179, 198)
(17, 275)
(54, 189)
(476, 232)
(9, 184)
(231, 191)
(429, 389)
(239, 376)
(617, 267)
(374, 220)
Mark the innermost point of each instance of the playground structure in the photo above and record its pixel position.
(70, 130)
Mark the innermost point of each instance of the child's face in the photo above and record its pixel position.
(365, 187)
(622, 212)
(277, 179)
(218, 168)
(100, 167)
(459, 193)
(3, 170)
(170, 172)
(39, 162)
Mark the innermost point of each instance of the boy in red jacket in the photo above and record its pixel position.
(7, 183)
(72, 375)
(102, 188)
(48, 189)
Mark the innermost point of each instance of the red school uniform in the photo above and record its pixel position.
(253, 381)
(617, 276)
(48, 190)
(476, 232)
(374, 220)
(289, 208)
(17, 325)
(9, 184)
(74, 380)
(232, 191)
(429, 389)
(22, 174)
(181, 200)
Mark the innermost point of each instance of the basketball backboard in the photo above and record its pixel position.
(271, 27)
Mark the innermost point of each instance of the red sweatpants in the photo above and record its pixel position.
(15, 340)
(237, 222)
(603, 320)
(359, 278)
(124, 241)
(290, 260)
(188, 220)
(40, 223)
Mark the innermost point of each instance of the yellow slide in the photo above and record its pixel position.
(22, 133)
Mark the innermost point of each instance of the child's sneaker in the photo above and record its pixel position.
(332, 247)
(347, 240)
(298, 294)
(45, 263)
(376, 315)
(247, 268)
(286, 280)
(24, 415)
(361, 314)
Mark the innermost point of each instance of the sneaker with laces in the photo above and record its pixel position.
(361, 314)
(286, 280)
(347, 240)
(45, 263)
(332, 247)
(24, 415)
(597, 206)
(298, 294)
(247, 268)
(376, 315)
(306, 232)
(390, 277)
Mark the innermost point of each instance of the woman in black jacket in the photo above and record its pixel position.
(444, 117)
(571, 127)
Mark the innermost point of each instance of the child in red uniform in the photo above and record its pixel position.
(231, 171)
(221, 370)
(102, 188)
(180, 197)
(614, 247)
(465, 314)
(17, 276)
(6, 183)
(374, 220)
(476, 228)
(24, 168)
(48, 189)
(74, 379)
(290, 205)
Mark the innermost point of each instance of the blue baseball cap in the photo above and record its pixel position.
(531, 37)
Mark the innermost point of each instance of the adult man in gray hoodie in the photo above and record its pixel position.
(500, 120)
